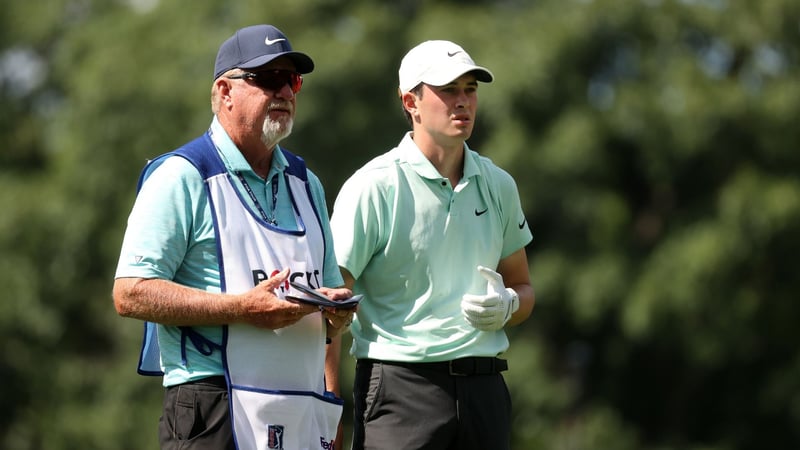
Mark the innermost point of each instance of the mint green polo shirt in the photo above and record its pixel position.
(413, 243)
(170, 235)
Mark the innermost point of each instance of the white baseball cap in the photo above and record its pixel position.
(438, 63)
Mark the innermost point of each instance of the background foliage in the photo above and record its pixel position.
(653, 142)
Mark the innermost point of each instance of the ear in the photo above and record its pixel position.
(222, 90)
(409, 100)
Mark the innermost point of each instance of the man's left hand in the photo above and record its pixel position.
(491, 311)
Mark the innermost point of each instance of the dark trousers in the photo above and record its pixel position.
(424, 406)
(196, 416)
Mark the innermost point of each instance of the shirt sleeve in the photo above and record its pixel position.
(159, 230)
(332, 277)
(356, 223)
(516, 233)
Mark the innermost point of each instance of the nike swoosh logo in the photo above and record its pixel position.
(269, 41)
(480, 213)
(523, 223)
(453, 54)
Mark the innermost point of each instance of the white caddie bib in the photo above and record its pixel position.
(276, 377)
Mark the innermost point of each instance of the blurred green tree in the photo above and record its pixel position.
(652, 140)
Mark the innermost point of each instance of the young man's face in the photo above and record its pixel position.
(448, 112)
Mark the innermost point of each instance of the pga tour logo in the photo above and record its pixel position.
(275, 437)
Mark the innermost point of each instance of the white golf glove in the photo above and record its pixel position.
(490, 312)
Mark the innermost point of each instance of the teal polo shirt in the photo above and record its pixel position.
(170, 235)
(413, 243)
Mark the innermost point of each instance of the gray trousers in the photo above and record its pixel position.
(196, 416)
(423, 406)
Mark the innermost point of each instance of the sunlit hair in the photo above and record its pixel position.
(215, 100)
(272, 131)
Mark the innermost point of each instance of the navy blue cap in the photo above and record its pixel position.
(255, 46)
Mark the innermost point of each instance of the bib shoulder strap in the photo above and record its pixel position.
(201, 152)
(297, 166)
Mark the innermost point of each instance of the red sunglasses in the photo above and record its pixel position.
(273, 80)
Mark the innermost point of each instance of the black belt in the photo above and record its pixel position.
(216, 381)
(463, 367)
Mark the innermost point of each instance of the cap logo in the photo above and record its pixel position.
(453, 53)
(269, 41)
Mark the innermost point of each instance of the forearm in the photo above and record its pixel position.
(333, 354)
(527, 300)
(514, 269)
(169, 303)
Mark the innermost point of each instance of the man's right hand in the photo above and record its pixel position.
(260, 306)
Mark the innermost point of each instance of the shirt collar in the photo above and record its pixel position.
(417, 160)
(233, 158)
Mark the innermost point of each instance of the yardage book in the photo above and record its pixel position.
(315, 298)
